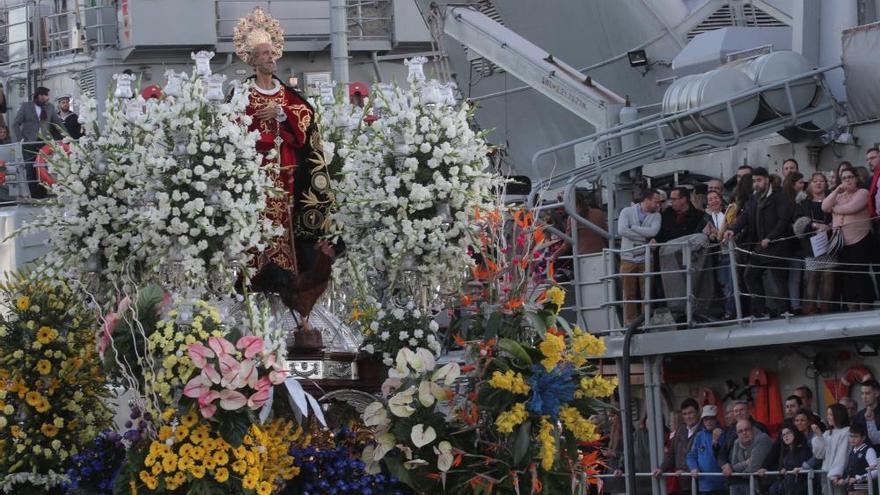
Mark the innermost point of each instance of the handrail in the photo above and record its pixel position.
(652, 121)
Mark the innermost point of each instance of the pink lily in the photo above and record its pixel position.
(232, 400)
(199, 354)
(221, 346)
(251, 345)
(197, 387)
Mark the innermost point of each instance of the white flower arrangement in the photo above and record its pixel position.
(388, 330)
(172, 185)
(409, 189)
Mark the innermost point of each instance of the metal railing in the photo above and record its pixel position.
(79, 29)
(367, 19)
(662, 126)
(755, 478)
(683, 297)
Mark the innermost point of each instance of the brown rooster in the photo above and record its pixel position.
(299, 292)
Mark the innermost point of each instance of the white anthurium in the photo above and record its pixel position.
(385, 443)
(400, 403)
(375, 414)
(447, 373)
(444, 455)
(422, 435)
(371, 465)
(430, 392)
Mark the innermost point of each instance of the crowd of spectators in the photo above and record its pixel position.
(803, 245)
(714, 447)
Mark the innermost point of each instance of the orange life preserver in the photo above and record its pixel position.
(853, 375)
(42, 170)
(768, 400)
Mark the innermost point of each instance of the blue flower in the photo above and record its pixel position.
(550, 389)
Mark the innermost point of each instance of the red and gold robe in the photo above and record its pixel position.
(302, 210)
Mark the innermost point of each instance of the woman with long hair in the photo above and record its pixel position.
(810, 221)
(832, 446)
(794, 453)
(716, 224)
(849, 206)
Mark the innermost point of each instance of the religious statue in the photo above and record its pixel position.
(296, 265)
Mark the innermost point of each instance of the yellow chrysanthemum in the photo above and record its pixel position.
(44, 367)
(548, 444)
(583, 429)
(48, 430)
(552, 348)
(33, 398)
(265, 488)
(249, 482)
(221, 475)
(510, 381)
(508, 420)
(45, 335)
(165, 433)
(221, 458)
(181, 433)
(23, 303)
(198, 471)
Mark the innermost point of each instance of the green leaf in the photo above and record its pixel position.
(562, 322)
(570, 445)
(522, 444)
(234, 427)
(201, 487)
(493, 326)
(395, 467)
(514, 348)
(538, 323)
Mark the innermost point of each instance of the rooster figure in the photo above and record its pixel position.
(299, 291)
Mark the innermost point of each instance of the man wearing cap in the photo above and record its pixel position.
(71, 120)
(703, 456)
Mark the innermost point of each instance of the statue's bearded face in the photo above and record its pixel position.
(262, 59)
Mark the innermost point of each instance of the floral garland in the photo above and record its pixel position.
(51, 383)
(164, 189)
(408, 189)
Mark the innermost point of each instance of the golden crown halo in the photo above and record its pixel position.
(257, 28)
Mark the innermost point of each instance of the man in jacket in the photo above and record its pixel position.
(681, 218)
(766, 226)
(749, 453)
(637, 224)
(703, 456)
(33, 123)
(682, 442)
